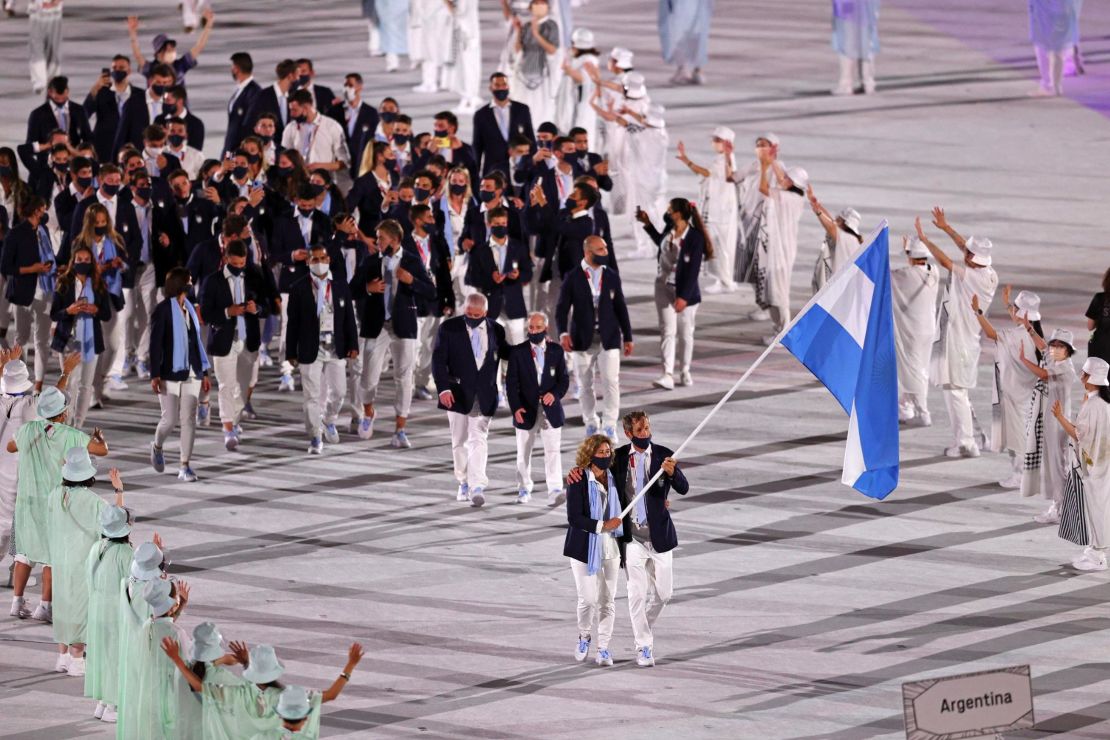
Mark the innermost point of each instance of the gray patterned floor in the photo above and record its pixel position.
(800, 606)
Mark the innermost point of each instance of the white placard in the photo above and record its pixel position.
(968, 705)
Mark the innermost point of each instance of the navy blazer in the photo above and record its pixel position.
(690, 257)
(570, 238)
(266, 101)
(490, 147)
(216, 298)
(287, 238)
(163, 221)
(64, 297)
(439, 270)
(161, 345)
(586, 162)
(364, 202)
(42, 121)
(508, 295)
(366, 123)
(612, 311)
(20, 249)
(135, 119)
(523, 391)
(237, 116)
(406, 301)
(476, 229)
(663, 537)
(454, 368)
(127, 226)
(207, 257)
(579, 523)
(64, 205)
(302, 335)
(194, 128)
(201, 215)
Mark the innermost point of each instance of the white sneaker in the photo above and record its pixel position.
(523, 497)
(604, 657)
(366, 427)
(1012, 481)
(583, 648)
(331, 434)
(963, 451)
(99, 711)
(110, 714)
(315, 446)
(61, 665)
(44, 613)
(463, 495)
(664, 381)
(687, 379)
(760, 314)
(556, 498)
(425, 88)
(1090, 561)
(1050, 516)
(115, 383)
(76, 667)
(286, 385)
(19, 608)
(392, 62)
(714, 288)
(477, 497)
(644, 658)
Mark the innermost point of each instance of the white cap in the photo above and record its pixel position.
(851, 219)
(724, 133)
(582, 38)
(917, 249)
(798, 176)
(1028, 305)
(1063, 335)
(621, 57)
(634, 86)
(769, 137)
(980, 249)
(1097, 371)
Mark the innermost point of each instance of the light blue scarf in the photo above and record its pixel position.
(181, 338)
(448, 230)
(112, 277)
(86, 336)
(46, 254)
(593, 564)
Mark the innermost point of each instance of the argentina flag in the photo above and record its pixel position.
(845, 336)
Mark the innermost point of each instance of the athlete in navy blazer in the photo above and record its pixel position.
(42, 121)
(64, 297)
(523, 392)
(20, 249)
(162, 338)
(216, 298)
(455, 370)
(490, 147)
(581, 525)
(611, 317)
(302, 335)
(237, 116)
(403, 312)
(509, 293)
(689, 260)
(663, 536)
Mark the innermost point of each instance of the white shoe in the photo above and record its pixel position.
(1013, 481)
(99, 711)
(1090, 561)
(19, 608)
(366, 427)
(1041, 92)
(582, 649)
(392, 62)
(286, 385)
(477, 497)
(425, 88)
(331, 434)
(714, 288)
(962, 451)
(843, 89)
(110, 715)
(687, 379)
(644, 657)
(1050, 516)
(115, 383)
(315, 446)
(556, 498)
(604, 657)
(665, 381)
(44, 613)
(463, 495)
(76, 667)
(523, 497)
(61, 665)
(760, 314)
(924, 419)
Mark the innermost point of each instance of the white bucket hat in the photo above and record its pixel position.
(980, 249)
(724, 133)
(1064, 336)
(157, 594)
(263, 666)
(774, 140)
(78, 465)
(622, 57)
(1028, 305)
(113, 522)
(634, 86)
(293, 704)
(799, 177)
(207, 642)
(15, 379)
(851, 219)
(917, 249)
(146, 564)
(1097, 371)
(52, 402)
(582, 38)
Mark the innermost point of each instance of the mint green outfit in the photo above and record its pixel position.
(42, 449)
(107, 567)
(73, 518)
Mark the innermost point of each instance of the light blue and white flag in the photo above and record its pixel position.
(845, 336)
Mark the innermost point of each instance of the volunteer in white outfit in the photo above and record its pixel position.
(539, 62)
(1054, 30)
(842, 239)
(430, 42)
(573, 109)
(1091, 435)
(1013, 381)
(954, 364)
(718, 205)
(1046, 458)
(855, 40)
(750, 201)
(777, 243)
(44, 36)
(464, 63)
(914, 292)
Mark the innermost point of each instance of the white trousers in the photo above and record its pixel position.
(913, 405)
(607, 362)
(1050, 64)
(958, 404)
(425, 343)
(179, 406)
(286, 366)
(323, 385)
(80, 387)
(674, 326)
(112, 331)
(650, 577)
(233, 373)
(551, 438)
(721, 266)
(32, 327)
(143, 299)
(44, 37)
(596, 594)
(121, 331)
(375, 352)
(470, 447)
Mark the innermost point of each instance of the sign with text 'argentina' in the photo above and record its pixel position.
(969, 705)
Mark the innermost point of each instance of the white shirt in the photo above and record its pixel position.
(191, 159)
(153, 106)
(110, 204)
(327, 142)
(283, 104)
(483, 340)
(595, 275)
(327, 316)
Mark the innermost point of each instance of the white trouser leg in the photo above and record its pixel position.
(146, 295)
(477, 450)
(596, 595)
(667, 326)
(1056, 71)
(552, 438)
(460, 433)
(587, 589)
(355, 395)
(121, 328)
(81, 386)
(286, 366)
(958, 404)
(404, 366)
(233, 374)
(333, 387)
(170, 407)
(514, 334)
(32, 326)
(845, 85)
(686, 321)
(584, 365)
(721, 265)
(311, 376)
(867, 71)
(374, 353)
(650, 585)
(1043, 67)
(188, 419)
(779, 316)
(425, 343)
(525, 441)
(609, 367)
(112, 330)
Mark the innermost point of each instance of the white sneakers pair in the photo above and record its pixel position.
(72, 666)
(105, 712)
(667, 383)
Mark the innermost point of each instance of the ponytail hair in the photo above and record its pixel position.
(690, 213)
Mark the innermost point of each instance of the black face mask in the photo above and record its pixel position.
(239, 172)
(5, 170)
(441, 133)
(391, 165)
(265, 139)
(303, 81)
(235, 271)
(84, 182)
(668, 220)
(641, 443)
(499, 232)
(301, 118)
(143, 193)
(537, 337)
(158, 90)
(306, 212)
(388, 116)
(84, 269)
(420, 194)
(110, 190)
(119, 75)
(317, 189)
(254, 158)
(44, 219)
(100, 230)
(602, 462)
(175, 140)
(501, 94)
(61, 167)
(400, 139)
(486, 196)
(456, 189)
(284, 171)
(472, 322)
(571, 204)
(182, 199)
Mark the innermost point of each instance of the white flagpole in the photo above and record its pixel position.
(736, 386)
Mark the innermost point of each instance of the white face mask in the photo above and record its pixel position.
(152, 152)
(319, 269)
(170, 57)
(349, 93)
